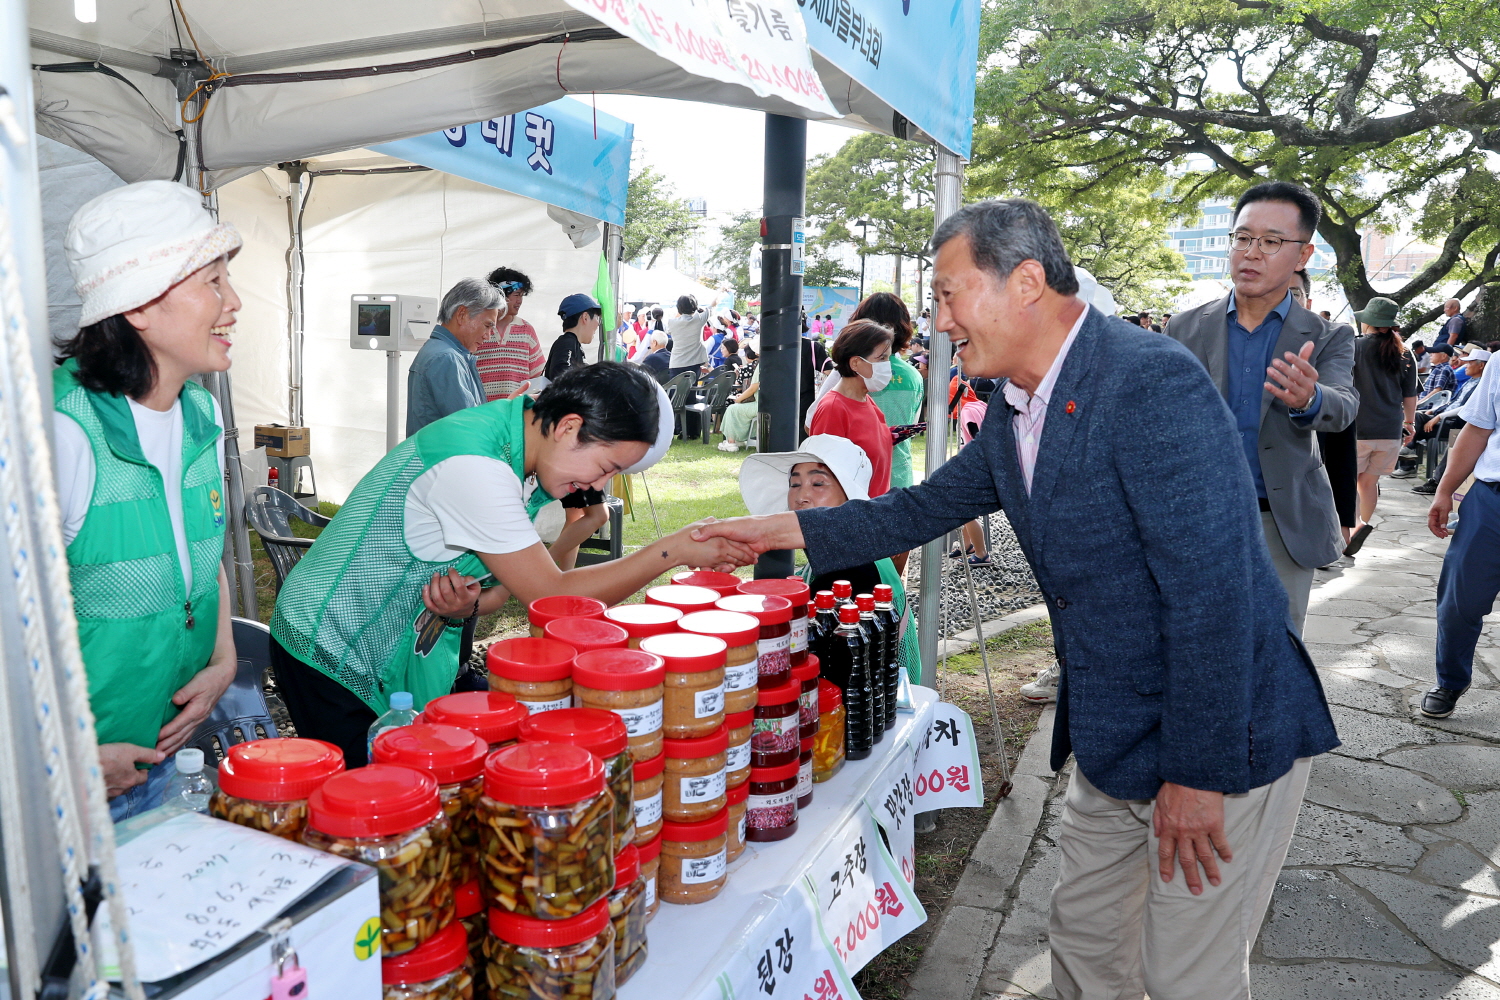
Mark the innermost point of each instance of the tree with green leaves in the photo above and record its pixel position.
(730, 258)
(656, 219)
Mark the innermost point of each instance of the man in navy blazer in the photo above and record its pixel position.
(1191, 707)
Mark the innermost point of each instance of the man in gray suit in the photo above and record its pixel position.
(1285, 374)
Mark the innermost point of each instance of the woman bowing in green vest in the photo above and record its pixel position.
(140, 472)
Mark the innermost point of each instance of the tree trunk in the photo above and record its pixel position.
(896, 277)
(1484, 324)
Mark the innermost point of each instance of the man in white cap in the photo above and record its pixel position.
(140, 473)
(1443, 419)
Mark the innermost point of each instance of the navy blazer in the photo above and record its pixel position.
(1179, 661)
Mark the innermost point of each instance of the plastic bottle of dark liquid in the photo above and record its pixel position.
(885, 614)
(849, 658)
(875, 636)
(821, 624)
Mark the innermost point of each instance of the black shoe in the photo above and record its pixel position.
(1357, 540)
(1440, 702)
(1427, 489)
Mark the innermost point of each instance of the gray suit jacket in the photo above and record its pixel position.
(1290, 461)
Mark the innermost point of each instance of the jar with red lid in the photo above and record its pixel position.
(741, 727)
(547, 609)
(794, 589)
(805, 774)
(650, 865)
(641, 620)
(693, 787)
(774, 645)
(771, 810)
(546, 831)
(738, 800)
(572, 959)
(264, 784)
(493, 716)
(455, 759)
(828, 745)
(538, 673)
(693, 702)
(684, 599)
(694, 859)
(602, 734)
(741, 634)
(584, 634)
(806, 677)
(629, 683)
(441, 969)
(724, 583)
(390, 817)
(649, 775)
(775, 740)
(627, 911)
(468, 909)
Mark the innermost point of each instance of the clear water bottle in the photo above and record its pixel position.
(192, 786)
(401, 714)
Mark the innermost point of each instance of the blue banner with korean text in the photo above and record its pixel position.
(564, 154)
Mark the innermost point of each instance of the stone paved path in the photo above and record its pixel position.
(1392, 885)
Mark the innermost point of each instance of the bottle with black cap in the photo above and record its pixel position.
(876, 637)
(890, 671)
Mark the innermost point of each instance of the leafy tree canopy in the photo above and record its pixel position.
(884, 181)
(656, 219)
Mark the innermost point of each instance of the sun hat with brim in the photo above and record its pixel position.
(666, 429)
(1478, 355)
(763, 477)
(1378, 312)
(130, 245)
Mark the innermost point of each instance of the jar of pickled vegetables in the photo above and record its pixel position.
(390, 817)
(629, 683)
(602, 734)
(627, 911)
(694, 859)
(806, 678)
(724, 583)
(805, 774)
(538, 673)
(531, 959)
(742, 657)
(740, 726)
(264, 784)
(584, 634)
(794, 589)
(736, 823)
(641, 620)
(684, 599)
(468, 909)
(650, 853)
(649, 776)
(771, 813)
(547, 609)
(546, 831)
(693, 787)
(441, 969)
(455, 759)
(493, 716)
(828, 745)
(693, 703)
(776, 740)
(774, 642)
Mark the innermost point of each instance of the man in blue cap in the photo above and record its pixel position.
(580, 318)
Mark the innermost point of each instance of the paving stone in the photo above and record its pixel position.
(1344, 688)
(1426, 609)
(1461, 928)
(1480, 827)
(1422, 835)
(1376, 675)
(1336, 657)
(1464, 766)
(1478, 714)
(1328, 837)
(1404, 625)
(1325, 980)
(1367, 735)
(1327, 629)
(1020, 957)
(1314, 914)
(1387, 793)
(1383, 592)
(1347, 609)
(1456, 866)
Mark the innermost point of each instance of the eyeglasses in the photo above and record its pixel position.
(1269, 245)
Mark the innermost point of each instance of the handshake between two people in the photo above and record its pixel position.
(737, 541)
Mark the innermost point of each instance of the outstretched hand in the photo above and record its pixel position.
(1294, 381)
(698, 547)
(764, 533)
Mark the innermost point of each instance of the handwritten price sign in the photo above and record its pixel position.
(946, 774)
(865, 904)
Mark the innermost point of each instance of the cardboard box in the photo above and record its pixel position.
(282, 442)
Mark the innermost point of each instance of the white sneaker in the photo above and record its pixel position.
(1044, 688)
(727, 445)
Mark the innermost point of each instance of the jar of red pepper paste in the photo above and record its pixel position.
(775, 643)
(771, 812)
(775, 740)
(794, 589)
(806, 679)
(724, 583)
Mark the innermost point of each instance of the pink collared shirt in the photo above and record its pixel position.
(1031, 408)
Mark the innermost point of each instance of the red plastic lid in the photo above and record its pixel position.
(687, 652)
(543, 774)
(739, 720)
(807, 744)
(285, 770)
(829, 696)
(705, 829)
(686, 598)
(588, 633)
(767, 775)
(597, 730)
(734, 628)
(724, 583)
(491, 715)
(546, 609)
(529, 659)
(378, 800)
(650, 850)
(467, 900)
(627, 866)
(793, 588)
(779, 695)
(842, 588)
(885, 593)
(618, 669)
(650, 768)
(439, 955)
(768, 609)
(529, 932)
(865, 602)
(702, 746)
(848, 615)
(738, 794)
(447, 753)
(824, 600)
(641, 620)
(807, 671)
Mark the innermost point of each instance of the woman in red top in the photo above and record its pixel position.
(862, 353)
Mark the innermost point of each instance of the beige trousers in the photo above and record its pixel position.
(1296, 578)
(1119, 932)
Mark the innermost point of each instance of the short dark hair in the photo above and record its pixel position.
(856, 340)
(730, 345)
(112, 358)
(687, 305)
(656, 315)
(1308, 206)
(887, 309)
(1003, 232)
(571, 321)
(501, 275)
(1416, 344)
(1306, 280)
(616, 401)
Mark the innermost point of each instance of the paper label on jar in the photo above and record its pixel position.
(709, 701)
(804, 779)
(641, 721)
(696, 871)
(651, 892)
(807, 703)
(742, 828)
(799, 634)
(737, 758)
(742, 677)
(534, 707)
(771, 812)
(647, 810)
(774, 801)
(775, 655)
(776, 735)
(702, 788)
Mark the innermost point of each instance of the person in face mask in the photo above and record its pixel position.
(862, 354)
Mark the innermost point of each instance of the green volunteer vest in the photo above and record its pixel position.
(352, 607)
(143, 636)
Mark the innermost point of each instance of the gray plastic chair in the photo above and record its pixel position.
(678, 389)
(242, 714)
(715, 397)
(270, 513)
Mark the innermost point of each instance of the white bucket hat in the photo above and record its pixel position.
(131, 244)
(666, 429)
(763, 477)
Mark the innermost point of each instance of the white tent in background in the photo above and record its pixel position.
(662, 285)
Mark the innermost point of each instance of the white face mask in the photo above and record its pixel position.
(880, 374)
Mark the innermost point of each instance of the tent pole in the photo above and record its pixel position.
(392, 399)
(781, 301)
(239, 564)
(614, 238)
(296, 173)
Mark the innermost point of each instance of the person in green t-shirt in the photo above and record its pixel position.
(901, 398)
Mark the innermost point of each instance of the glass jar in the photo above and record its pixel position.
(775, 739)
(641, 620)
(650, 853)
(602, 734)
(390, 817)
(629, 683)
(774, 643)
(693, 784)
(736, 823)
(740, 726)
(828, 745)
(546, 831)
(627, 911)
(649, 777)
(805, 774)
(439, 970)
(794, 589)
(455, 759)
(806, 677)
(724, 583)
(493, 716)
(771, 811)
(584, 634)
(684, 599)
(264, 784)
(742, 657)
(694, 858)
(547, 609)
(572, 959)
(468, 909)
(538, 673)
(693, 704)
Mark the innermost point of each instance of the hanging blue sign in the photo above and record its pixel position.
(918, 56)
(554, 154)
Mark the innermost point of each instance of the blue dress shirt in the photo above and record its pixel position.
(443, 379)
(1249, 355)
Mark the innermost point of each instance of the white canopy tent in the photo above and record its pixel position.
(662, 285)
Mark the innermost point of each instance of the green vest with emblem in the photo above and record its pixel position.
(142, 633)
(352, 607)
